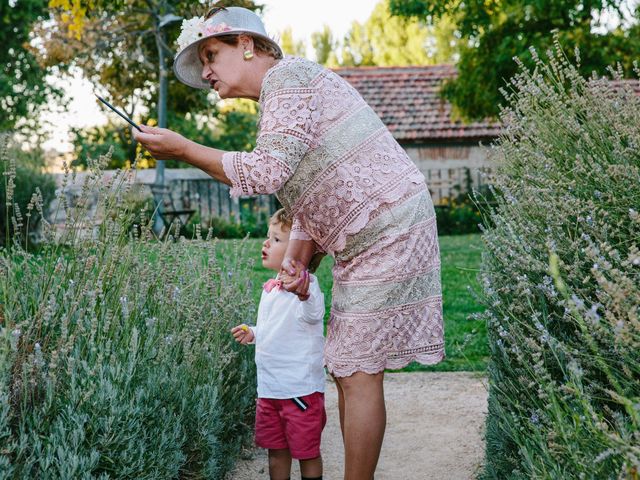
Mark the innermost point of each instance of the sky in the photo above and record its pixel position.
(303, 16)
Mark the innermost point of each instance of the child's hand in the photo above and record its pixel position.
(298, 282)
(242, 334)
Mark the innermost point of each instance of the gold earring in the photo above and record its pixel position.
(248, 54)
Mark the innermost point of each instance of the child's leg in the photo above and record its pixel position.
(311, 469)
(279, 464)
(364, 423)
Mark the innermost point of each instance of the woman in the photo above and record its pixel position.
(352, 192)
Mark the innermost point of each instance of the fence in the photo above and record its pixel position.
(211, 199)
(448, 183)
(192, 192)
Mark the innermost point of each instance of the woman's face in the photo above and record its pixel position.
(224, 67)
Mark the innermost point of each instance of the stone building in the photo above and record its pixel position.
(449, 152)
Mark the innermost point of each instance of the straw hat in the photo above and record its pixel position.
(226, 21)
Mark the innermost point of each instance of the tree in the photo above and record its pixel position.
(23, 90)
(290, 46)
(495, 32)
(385, 40)
(123, 48)
(91, 142)
(357, 48)
(398, 41)
(137, 34)
(325, 45)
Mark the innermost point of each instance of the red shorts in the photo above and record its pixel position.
(280, 423)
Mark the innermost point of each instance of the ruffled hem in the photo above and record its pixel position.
(362, 219)
(372, 367)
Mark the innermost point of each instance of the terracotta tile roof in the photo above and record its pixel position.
(407, 101)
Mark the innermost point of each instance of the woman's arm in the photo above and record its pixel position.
(299, 250)
(284, 138)
(165, 144)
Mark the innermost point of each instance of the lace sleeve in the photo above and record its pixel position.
(297, 232)
(285, 134)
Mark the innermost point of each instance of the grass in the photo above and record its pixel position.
(466, 340)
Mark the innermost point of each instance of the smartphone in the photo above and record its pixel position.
(300, 403)
(131, 122)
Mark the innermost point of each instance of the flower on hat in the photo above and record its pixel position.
(212, 29)
(196, 28)
(190, 31)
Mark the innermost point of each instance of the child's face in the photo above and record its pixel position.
(275, 246)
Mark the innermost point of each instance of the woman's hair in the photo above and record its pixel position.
(259, 44)
(280, 217)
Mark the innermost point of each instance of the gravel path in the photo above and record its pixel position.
(435, 425)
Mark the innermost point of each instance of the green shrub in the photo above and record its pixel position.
(561, 275)
(115, 354)
(461, 213)
(221, 227)
(458, 218)
(254, 220)
(29, 188)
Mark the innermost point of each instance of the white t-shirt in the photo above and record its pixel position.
(289, 343)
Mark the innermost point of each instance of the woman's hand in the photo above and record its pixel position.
(242, 334)
(295, 278)
(162, 143)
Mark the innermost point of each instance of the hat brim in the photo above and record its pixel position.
(188, 67)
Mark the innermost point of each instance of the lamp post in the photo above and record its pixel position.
(163, 50)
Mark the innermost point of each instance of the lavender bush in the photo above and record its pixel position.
(561, 276)
(115, 354)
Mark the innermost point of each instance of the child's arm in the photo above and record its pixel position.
(244, 334)
(312, 309)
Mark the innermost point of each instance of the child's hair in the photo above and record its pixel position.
(280, 217)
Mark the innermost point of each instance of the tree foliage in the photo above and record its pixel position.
(117, 46)
(232, 128)
(325, 46)
(495, 32)
(119, 49)
(291, 46)
(385, 40)
(93, 141)
(22, 87)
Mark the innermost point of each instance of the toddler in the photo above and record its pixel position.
(288, 335)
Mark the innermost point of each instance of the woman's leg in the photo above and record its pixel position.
(279, 464)
(364, 422)
(340, 406)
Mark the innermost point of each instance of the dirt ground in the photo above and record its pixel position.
(435, 427)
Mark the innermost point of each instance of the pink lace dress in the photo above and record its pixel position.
(351, 188)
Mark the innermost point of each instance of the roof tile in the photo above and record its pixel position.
(407, 101)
